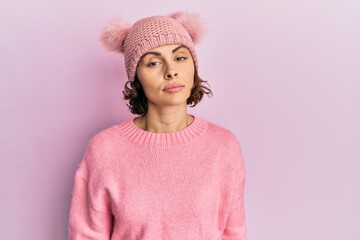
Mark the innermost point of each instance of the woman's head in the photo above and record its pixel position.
(165, 76)
(137, 40)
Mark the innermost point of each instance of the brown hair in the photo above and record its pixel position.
(138, 101)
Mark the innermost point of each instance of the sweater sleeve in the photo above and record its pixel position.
(87, 221)
(235, 228)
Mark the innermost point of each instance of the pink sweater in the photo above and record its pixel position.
(133, 184)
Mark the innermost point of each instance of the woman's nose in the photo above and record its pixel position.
(170, 72)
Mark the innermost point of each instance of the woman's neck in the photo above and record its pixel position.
(164, 120)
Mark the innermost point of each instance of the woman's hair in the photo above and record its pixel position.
(138, 102)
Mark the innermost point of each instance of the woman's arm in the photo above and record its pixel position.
(85, 221)
(90, 213)
(236, 226)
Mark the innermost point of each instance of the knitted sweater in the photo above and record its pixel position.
(133, 184)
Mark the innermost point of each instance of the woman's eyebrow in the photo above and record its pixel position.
(155, 53)
(177, 48)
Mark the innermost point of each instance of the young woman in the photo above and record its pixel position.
(164, 174)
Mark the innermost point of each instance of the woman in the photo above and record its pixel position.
(164, 174)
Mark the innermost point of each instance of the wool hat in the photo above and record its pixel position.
(150, 32)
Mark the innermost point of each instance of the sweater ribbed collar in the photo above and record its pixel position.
(163, 140)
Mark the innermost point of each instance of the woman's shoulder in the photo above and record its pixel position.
(226, 142)
(110, 134)
(219, 132)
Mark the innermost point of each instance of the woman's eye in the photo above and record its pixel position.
(153, 64)
(180, 58)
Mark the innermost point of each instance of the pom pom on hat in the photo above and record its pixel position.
(114, 34)
(192, 23)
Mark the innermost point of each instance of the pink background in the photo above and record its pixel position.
(286, 78)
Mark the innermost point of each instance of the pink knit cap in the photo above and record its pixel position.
(151, 32)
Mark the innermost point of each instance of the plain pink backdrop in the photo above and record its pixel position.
(286, 79)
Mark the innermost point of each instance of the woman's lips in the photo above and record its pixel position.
(172, 88)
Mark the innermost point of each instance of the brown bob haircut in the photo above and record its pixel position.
(138, 101)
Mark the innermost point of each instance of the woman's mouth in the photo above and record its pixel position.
(173, 88)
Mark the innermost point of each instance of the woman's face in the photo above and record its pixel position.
(166, 74)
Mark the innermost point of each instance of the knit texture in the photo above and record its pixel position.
(133, 184)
